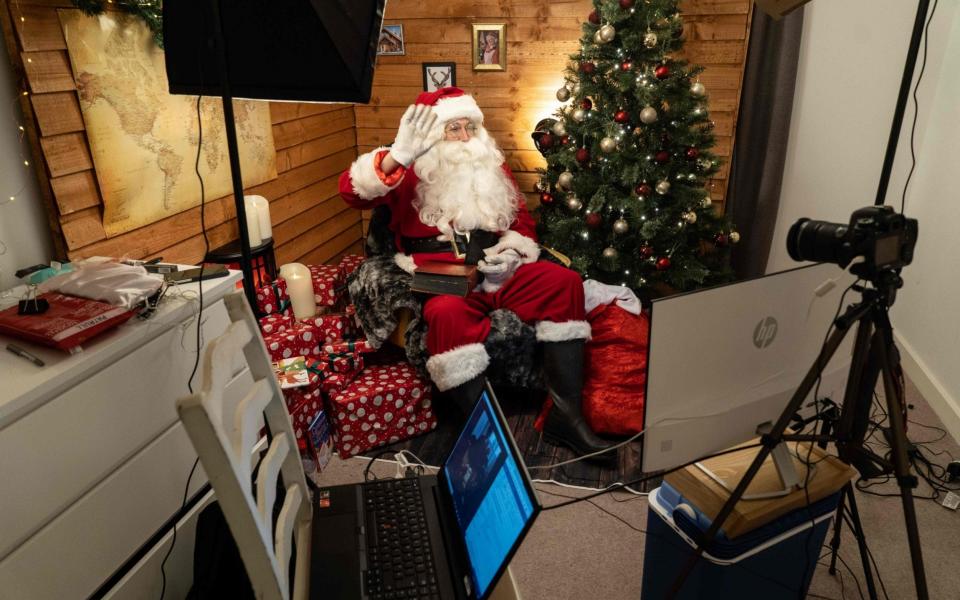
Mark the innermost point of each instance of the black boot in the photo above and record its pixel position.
(464, 397)
(563, 369)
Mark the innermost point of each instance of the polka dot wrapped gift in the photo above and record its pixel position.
(383, 405)
(300, 340)
(327, 284)
(273, 298)
(276, 323)
(349, 264)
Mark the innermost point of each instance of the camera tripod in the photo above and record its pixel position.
(874, 353)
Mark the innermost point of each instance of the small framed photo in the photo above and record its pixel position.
(489, 47)
(391, 41)
(438, 75)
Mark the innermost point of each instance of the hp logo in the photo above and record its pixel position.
(765, 332)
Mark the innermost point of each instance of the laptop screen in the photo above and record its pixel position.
(492, 502)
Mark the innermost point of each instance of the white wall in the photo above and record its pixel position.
(23, 225)
(851, 61)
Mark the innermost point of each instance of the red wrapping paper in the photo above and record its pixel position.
(273, 298)
(301, 416)
(383, 405)
(615, 371)
(332, 328)
(300, 340)
(349, 264)
(276, 323)
(327, 281)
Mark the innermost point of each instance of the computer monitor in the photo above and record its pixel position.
(493, 498)
(726, 360)
(298, 50)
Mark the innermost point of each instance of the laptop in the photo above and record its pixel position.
(726, 360)
(449, 535)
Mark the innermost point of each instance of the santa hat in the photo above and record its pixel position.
(451, 103)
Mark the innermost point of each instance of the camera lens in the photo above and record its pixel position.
(817, 241)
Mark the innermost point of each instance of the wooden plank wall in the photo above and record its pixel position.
(314, 144)
(541, 34)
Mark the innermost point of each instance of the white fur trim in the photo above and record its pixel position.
(457, 107)
(528, 249)
(364, 179)
(548, 331)
(458, 366)
(405, 262)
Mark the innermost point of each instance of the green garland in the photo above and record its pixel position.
(149, 11)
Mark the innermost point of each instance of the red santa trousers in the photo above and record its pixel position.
(542, 294)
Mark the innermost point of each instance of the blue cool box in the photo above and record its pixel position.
(773, 561)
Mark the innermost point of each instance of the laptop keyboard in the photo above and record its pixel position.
(400, 564)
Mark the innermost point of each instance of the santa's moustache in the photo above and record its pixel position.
(463, 184)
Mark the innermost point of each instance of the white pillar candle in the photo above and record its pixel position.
(263, 216)
(300, 290)
(253, 222)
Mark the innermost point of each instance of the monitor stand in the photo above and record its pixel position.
(782, 461)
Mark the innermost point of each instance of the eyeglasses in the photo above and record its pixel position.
(456, 128)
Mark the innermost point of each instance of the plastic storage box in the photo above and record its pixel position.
(773, 561)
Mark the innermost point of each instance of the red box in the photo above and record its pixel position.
(349, 264)
(273, 298)
(327, 283)
(383, 405)
(332, 328)
(300, 340)
(301, 416)
(276, 323)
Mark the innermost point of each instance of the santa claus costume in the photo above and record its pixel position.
(449, 191)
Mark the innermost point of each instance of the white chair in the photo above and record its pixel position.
(225, 436)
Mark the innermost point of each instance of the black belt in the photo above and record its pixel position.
(472, 250)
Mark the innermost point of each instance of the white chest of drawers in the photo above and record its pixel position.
(94, 462)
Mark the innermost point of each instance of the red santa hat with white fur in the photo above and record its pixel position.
(451, 103)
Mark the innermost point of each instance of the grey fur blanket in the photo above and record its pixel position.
(379, 289)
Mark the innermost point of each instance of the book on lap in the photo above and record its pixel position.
(434, 277)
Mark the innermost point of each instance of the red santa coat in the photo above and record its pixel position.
(363, 187)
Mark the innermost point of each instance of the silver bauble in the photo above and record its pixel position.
(692, 177)
(597, 39)
(650, 39)
(565, 180)
(698, 89)
(608, 144)
(699, 111)
(559, 129)
(576, 88)
(579, 115)
(690, 217)
(734, 237)
(607, 33)
(663, 187)
(705, 163)
(620, 226)
(573, 203)
(610, 253)
(648, 115)
(706, 202)
(563, 94)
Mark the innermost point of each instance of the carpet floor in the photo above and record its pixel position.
(597, 550)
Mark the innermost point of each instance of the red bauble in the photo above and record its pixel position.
(662, 156)
(546, 141)
(720, 239)
(546, 198)
(646, 251)
(663, 263)
(644, 190)
(587, 67)
(662, 72)
(626, 4)
(626, 65)
(593, 220)
(565, 140)
(622, 116)
(594, 17)
(692, 153)
(583, 155)
(586, 103)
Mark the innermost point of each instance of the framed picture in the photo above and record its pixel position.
(489, 47)
(391, 40)
(438, 75)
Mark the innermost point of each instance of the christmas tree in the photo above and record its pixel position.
(628, 159)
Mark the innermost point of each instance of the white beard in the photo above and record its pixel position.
(463, 186)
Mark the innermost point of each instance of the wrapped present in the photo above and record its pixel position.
(301, 416)
(273, 298)
(300, 340)
(275, 323)
(361, 346)
(327, 284)
(319, 444)
(383, 405)
(312, 391)
(349, 264)
(332, 328)
(334, 383)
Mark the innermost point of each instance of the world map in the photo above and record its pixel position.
(143, 140)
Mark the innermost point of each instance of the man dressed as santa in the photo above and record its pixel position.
(447, 184)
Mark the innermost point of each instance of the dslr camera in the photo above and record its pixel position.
(885, 239)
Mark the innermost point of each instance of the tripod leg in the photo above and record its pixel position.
(835, 541)
(861, 542)
(884, 347)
